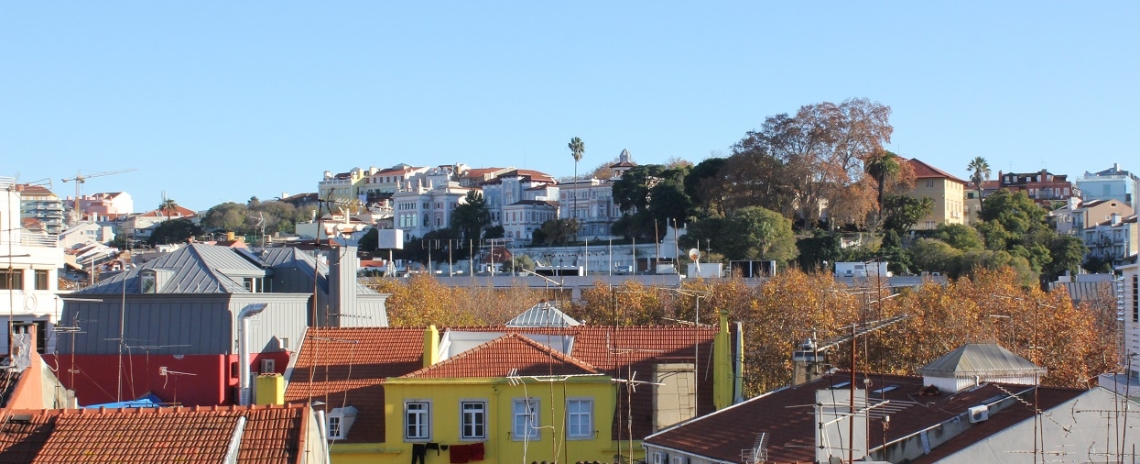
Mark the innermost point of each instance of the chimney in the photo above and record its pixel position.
(342, 282)
(722, 365)
(270, 389)
(431, 346)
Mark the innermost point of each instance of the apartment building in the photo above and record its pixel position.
(1110, 184)
(947, 191)
(29, 271)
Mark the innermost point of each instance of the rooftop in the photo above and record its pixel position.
(787, 416)
(350, 365)
(270, 435)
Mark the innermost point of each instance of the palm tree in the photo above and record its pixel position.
(168, 206)
(979, 171)
(577, 148)
(882, 168)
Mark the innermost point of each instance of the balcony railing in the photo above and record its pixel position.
(33, 240)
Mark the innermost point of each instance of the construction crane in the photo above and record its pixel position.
(79, 179)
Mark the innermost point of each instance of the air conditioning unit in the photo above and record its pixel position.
(979, 414)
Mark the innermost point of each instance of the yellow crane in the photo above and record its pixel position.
(79, 179)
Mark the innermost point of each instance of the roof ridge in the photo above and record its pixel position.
(212, 271)
(500, 340)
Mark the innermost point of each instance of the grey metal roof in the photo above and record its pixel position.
(194, 268)
(542, 314)
(983, 359)
(1089, 291)
(303, 261)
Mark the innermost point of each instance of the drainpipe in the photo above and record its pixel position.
(243, 347)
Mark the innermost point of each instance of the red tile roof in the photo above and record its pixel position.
(791, 429)
(270, 435)
(498, 357)
(926, 171)
(181, 213)
(347, 366)
(394, 352)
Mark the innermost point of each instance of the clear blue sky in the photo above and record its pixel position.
(225, 100)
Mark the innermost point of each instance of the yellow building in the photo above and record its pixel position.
(503, 394)
(947, 191)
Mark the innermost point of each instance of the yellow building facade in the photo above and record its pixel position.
(513, 395)
(947, 192)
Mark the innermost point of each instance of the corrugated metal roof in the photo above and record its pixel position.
(303, 261)
(195, 268)
(1088, 291)
(985, 359)
(542, 314)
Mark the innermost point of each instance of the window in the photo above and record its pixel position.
(41, 279)
(268, 366)
(417, 421)
(473, 420)
(339, 422)
(525, 419)
(11, 279)
(580, 418)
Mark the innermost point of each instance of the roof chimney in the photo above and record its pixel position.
(431, 346)
(342, 281)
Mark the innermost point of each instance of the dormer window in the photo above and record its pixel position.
(148, 281)
(340, 421)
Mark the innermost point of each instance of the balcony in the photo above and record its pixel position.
(32, 240)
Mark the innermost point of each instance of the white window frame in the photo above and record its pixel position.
(463, 415)
(425, 416)
(588, 431)
(335, 430)
(530, 424)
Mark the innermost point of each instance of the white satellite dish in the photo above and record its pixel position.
(694, 254)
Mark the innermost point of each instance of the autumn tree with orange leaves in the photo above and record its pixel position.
(1075, 343)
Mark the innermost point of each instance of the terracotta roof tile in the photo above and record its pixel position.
(791, 430)
(346, 366)
(270, 435)
(393, 352)
(925, 171)
(498, 357)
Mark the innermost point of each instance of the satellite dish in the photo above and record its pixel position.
(694, 254)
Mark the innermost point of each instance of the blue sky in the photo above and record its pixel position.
(221, 101)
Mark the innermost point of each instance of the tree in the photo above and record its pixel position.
(822, 246)
(369, 241)
(1068, 252)
(556, 231)
(883, 167)
(754, 177)
(577, 149)
(168, 207)
(759, 234)
(1013, 223)
(631, 192)
(471, 216)
(174, 231)
(979, 171)
(902, 212)
(823, 149)
(519, 263)
(228, 216)
(959, 236)
(705, 185)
